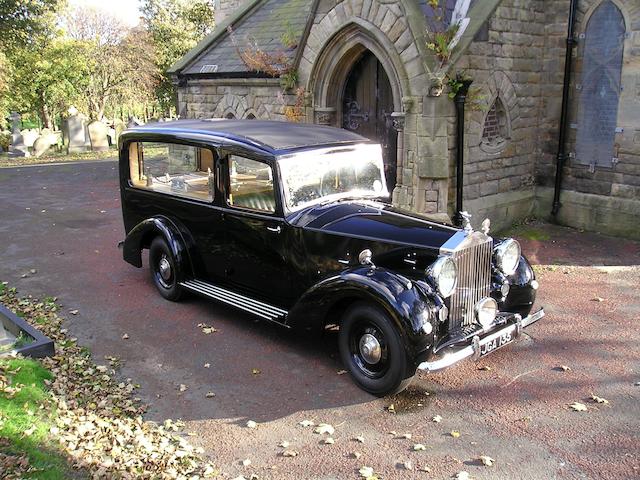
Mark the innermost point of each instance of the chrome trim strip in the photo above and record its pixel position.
(266, 306)
(237, 300)
(474, 349)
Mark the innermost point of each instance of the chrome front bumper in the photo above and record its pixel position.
(473, 350)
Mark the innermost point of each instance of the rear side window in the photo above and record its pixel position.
(173, 169)
(251, 185)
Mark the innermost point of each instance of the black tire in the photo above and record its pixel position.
(392, 372)
(166, 281)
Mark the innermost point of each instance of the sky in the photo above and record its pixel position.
(127, 10)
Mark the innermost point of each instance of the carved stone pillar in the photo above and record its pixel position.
(398, 126)
(325, 116)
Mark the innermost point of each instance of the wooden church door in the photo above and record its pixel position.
(366, 109)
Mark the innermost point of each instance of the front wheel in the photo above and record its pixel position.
(164, 270)
(373, 352)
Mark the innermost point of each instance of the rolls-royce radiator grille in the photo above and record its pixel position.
(473, 258)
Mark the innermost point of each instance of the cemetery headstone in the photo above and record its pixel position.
(17, 147)
(98, 133)
(77, 134)
(44, 142)
(16, 122)
(30, 136)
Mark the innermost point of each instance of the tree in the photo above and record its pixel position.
(119, 59)
(48, 78)
(21, 22)
(176, 26)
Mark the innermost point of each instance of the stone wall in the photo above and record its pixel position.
(242, 98)
(516, 61)
(506, 68)
(392, 31)
(601, 198)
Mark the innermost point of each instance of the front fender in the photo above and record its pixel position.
(522, 291)
(404, 301)
(178, 239)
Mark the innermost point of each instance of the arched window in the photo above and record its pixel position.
(495, 131)
(251, 116)
(599, 88)
(230, 116)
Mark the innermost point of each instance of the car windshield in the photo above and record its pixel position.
(316, 176)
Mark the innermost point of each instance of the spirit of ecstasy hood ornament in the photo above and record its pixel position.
(466, 224)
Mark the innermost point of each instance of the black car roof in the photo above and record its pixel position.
(271, 135)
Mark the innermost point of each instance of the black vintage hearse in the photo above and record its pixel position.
(290, 222)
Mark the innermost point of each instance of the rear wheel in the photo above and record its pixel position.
(164, 270)
(373, 352)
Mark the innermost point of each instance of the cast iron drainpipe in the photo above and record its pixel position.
(460, 99)
(564, 114)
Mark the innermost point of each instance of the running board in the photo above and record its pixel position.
(234, 299)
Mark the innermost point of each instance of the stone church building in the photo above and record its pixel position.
(366, 65)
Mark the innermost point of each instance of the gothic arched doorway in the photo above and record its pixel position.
(367, 104)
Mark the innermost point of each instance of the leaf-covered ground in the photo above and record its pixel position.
(67, 410)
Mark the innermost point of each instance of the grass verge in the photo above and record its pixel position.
(83, 415)
(26, 417)
(56, 157)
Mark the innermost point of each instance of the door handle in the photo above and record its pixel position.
(274, 229)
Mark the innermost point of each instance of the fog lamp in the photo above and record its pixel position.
(504, 289)
(425, 318)
(486, 311)
(443, 314)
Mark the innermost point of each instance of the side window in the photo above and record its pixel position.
(172, 168)
(251, 185)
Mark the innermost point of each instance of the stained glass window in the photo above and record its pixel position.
(600, 86)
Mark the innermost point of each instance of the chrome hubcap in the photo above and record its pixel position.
(370, 349)
(165, 268)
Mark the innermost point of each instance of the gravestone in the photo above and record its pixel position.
(98, 133)
(44, 142)
(76, 129)
(17, 147)
(16, 122)
(65, 131)
(30, 136)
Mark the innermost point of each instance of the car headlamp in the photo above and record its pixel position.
(444, 274)
(486, 311)
(507, 256)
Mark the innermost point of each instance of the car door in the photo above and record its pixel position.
(256, 233)
(178, 181)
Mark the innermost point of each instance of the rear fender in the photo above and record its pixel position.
(402, 299)
(179, 240)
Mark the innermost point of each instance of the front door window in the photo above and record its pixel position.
(251, 185)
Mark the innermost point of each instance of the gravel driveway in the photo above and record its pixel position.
(64, 221)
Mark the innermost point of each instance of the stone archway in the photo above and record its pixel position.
(351, 62)
(367, 105)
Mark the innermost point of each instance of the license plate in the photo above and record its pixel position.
(496, 343)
